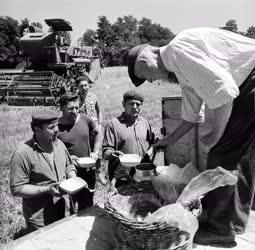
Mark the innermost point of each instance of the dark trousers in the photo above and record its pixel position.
(84, 198)
(229, 207)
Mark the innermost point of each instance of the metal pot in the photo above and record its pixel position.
(144, 171)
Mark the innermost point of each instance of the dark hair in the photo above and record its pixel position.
(133, 95)
(80, 79)
(67, 97)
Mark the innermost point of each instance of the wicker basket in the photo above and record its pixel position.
(132, 234)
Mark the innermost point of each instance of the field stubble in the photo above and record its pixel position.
(15, 128)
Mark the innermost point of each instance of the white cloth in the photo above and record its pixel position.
(210, 65)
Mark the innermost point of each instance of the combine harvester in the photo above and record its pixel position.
(51, 66)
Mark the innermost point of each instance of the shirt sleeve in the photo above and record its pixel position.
(99, 113)
(69, 163)
(109, 141)
(92, 125)
(150, 136)
(210, 81)
(20, 170)
(191, 105)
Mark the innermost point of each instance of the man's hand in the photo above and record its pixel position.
(53, 189)
(160, 144)
(112, 190)
(117, 153)
(94, 155)
(102, 178)
(74, 159)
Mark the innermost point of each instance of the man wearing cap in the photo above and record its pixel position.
(214, 68)
(128, 133)
(83, 138)
(36, 169)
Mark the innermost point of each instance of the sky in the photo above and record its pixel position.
(177, 15)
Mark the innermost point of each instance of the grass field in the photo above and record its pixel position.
(15, 128)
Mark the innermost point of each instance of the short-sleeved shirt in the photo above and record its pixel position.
(77, 136)
(210, 64)
(30, 165)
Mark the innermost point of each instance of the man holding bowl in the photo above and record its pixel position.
(36, 169)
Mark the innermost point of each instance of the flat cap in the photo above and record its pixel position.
(44, 116)
(132, 55)
(134, 95)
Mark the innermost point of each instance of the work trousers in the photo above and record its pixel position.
(84, 198)
(229, 207)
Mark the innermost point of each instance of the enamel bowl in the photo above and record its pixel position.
(86, 162)
(72, 185)
(130, 160)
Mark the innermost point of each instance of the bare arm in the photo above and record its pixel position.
(30, 191)
(179, 132)
(98, 139)
(108, 153)
(99, 113)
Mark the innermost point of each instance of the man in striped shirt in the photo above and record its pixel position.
(215, 69)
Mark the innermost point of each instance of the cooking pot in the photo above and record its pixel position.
(145, 171)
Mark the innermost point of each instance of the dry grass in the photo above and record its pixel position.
(15, 128)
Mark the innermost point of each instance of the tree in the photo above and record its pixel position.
(104, 33)
(154, 33)
(115, 40)
(126, 36)
(37, 24)
(105, 37)
(231, 26)
(89, 37)
(9, 42)
(251, 32)
(23, 25)
(125, 28)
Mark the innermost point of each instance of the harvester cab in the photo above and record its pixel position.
(46, 51)
(50, 67)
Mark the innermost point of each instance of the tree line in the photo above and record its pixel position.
(114, 40)
(111, 41)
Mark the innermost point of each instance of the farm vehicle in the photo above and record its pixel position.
(50, 67)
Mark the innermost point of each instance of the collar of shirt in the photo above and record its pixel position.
(124, 119)
(168, 59)
(37, 146)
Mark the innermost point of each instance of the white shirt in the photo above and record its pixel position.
(210, 65)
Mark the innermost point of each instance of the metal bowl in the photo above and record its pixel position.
(86, 162)
(130, 160)
(144, 172)
(72, 185)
